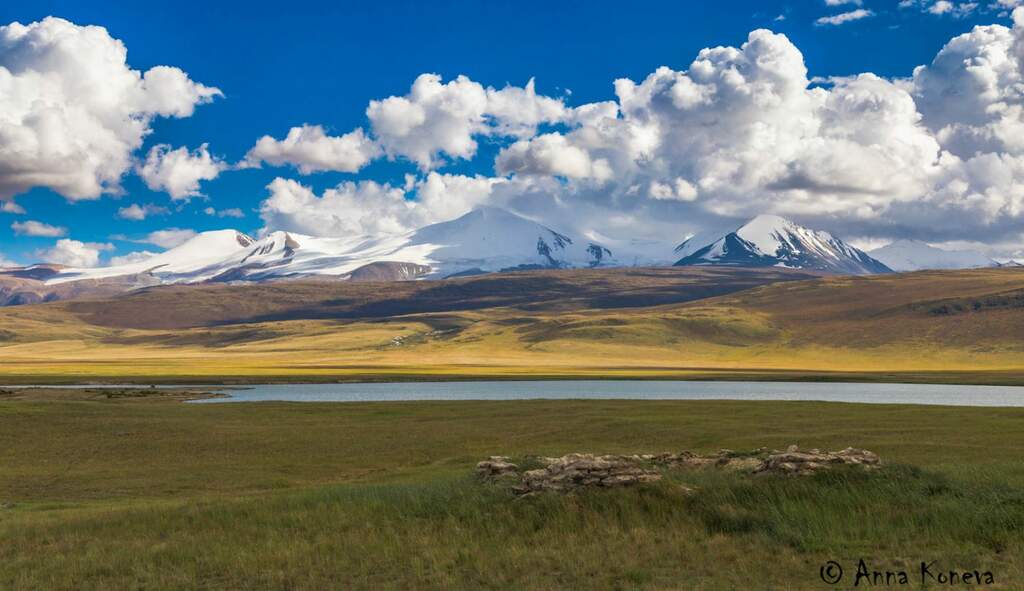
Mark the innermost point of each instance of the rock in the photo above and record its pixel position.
(575, 471)
(797, 463)
(496, 467)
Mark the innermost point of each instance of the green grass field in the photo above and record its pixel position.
(135, 493)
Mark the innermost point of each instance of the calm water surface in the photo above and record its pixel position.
(627, 389)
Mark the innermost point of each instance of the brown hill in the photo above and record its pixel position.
(189, 306)
(669, 322)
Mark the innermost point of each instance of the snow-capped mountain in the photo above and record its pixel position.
(1011, 264)
(198, 259)
(772, 241)
(494, 239)
(484, 240)
(698, 240)
(913, 255)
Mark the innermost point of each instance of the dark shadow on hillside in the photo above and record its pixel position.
(530, 291)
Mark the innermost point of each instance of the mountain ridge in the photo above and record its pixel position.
(487, 238)
(481, 241)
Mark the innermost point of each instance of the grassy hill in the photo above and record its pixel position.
(949, 325)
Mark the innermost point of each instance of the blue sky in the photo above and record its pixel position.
(322, 63)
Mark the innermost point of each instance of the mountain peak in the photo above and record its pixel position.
(209, 244)
(491, 213)
(767, 220)
(493, 238)
(772, 233)
(773, 241)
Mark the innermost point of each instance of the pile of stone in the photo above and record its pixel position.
(576, 471)
(795, 462)
(571, 472)
(496, 467)
(724, 459)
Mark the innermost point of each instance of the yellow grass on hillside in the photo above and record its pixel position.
(966, 321)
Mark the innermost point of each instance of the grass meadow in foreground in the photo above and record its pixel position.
(163, 495)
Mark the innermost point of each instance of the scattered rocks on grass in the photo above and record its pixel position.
(578, 470)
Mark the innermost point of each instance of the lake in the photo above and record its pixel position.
(872, 393)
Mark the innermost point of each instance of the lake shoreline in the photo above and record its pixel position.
(1012, 377)
(526, 390)
(632, 390)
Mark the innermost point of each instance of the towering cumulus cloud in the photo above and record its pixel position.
(72, 111)
(971, 99)
(741, 131)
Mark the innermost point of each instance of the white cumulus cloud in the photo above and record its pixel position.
(73, 253)
(310, 149)
(72, 111)
(370, 208)
(950, 7)
(169, 238)
(552, 154)
(438, 120)
(136, 212)
(179, 171)
(34, 228)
